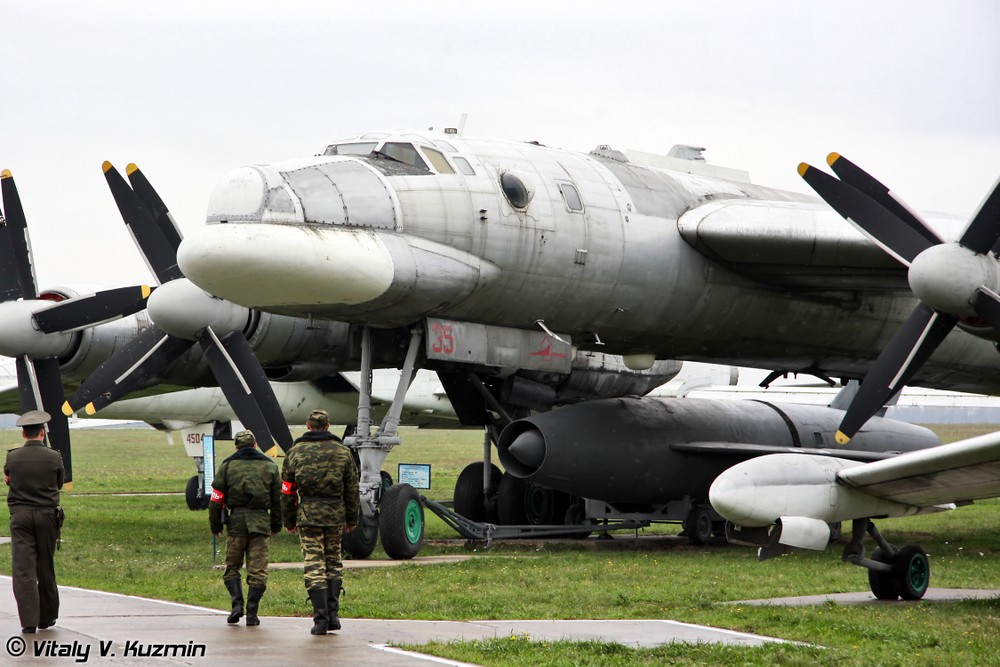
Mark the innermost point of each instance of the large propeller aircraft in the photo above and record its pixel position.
(185, 335)
(474, 249)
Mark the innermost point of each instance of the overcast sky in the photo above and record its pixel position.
(188, 90)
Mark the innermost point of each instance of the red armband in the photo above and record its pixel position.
(288, 488)
(217, 496)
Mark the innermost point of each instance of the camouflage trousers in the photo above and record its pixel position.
(254, 548)
(321, 554)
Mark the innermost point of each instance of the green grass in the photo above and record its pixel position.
(153, 546)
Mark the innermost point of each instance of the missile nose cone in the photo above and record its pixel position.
(528, 448)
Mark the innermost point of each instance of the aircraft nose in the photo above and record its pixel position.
(254, 194)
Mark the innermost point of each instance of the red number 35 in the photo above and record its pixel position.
(444, 341)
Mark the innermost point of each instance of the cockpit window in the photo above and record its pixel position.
(356, 148)
(463, 165)
(404, 153)
(437, 159)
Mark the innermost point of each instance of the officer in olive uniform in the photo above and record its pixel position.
(246, 496)
(35, 474)
(320, 501)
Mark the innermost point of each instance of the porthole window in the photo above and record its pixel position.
(515, 189)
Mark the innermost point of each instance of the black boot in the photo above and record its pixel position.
(321, 619)
(333, 587)
(254, 594)
(235, 588)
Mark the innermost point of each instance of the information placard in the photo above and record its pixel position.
(208, 451)
(417, 475)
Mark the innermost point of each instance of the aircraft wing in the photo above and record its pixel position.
(747, 449)
(953, 473)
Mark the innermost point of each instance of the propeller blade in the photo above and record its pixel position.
(154, 204)
(160, 256)
(910, 347)
(854, 175)
(236, 378)
(983, 232)
(242, 354)
(92, 309)
(40, 385)
(138, 365)
(17, 229)
(876, 222)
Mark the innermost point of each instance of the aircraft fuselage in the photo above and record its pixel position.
(594, 247)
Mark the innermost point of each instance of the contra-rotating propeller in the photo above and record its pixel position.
(37, 330)
(184, 314)
(953, 281)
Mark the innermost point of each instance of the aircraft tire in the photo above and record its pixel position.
(836, 531)
(522, 503)
(195, 501)
(883, 584)
(469, 500)
(576, 515)
(912, 572)
(698, 525)
(360, 542)
(511, 492)
(401, 522)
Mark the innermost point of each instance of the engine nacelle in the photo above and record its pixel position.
(653, 450)
(310, 348)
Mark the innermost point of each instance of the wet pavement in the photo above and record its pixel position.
(111, 629)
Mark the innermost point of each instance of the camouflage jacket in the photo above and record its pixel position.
(248, 487)
(319, 482)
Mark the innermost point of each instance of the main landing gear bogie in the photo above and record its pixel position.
(892, 573)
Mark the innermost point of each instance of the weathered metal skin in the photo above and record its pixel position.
(651, 451)
(638, 269)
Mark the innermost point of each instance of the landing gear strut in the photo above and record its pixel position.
(892, 573)
(403, 540)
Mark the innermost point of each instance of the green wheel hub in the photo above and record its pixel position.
(413, 522)
(917, 572)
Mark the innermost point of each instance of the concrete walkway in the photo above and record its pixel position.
(866, 597)
(127, 629)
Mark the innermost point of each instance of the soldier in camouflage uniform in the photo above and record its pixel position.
(246, 496)
(320, 502)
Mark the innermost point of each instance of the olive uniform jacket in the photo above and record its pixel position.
(247, 486)
(36, 474)
(319, 483)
